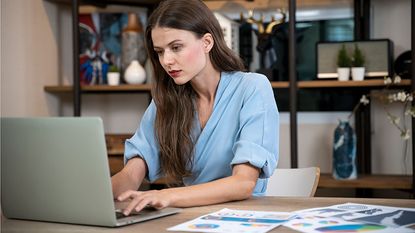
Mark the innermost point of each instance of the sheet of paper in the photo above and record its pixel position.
(230, 221)
(321, 225)
(370, 218)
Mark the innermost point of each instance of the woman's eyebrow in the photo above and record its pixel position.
(170, 43)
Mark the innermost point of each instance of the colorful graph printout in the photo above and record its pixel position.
(204, 226)
(381, 215)
(334, 225)
(352, 217)
(343, 218)
(351, 228)
(302, 224)
(230, 221)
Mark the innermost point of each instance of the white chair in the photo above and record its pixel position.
(294, 182)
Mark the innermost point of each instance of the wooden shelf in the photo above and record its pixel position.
(281, 84)
(115, 143)
(368, 181)
(301, 84)
(115, 150)
(99, 89)
(110, 2)
(336, 83)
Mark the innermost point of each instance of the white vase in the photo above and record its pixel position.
(343, 73)
(135, 73)
(358, 73)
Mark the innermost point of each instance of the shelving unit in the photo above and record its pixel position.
(362, 29)
(115, 141)
(364, 181)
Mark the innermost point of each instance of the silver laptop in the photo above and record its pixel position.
(56, 169)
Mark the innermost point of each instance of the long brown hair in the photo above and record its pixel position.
(175, 108)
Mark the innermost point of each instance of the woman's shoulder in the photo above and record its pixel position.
(249, 79)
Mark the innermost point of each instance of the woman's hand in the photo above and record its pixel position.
(238, 186)
(158, 199)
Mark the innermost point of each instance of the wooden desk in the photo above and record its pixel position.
(161, 224)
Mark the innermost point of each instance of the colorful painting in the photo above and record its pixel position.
(100, 45)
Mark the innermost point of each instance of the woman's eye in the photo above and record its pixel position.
(159, 52)
(176, 48)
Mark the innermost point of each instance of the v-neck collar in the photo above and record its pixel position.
(223, 83)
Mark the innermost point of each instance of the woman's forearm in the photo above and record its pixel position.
(239, 186)
(130, 177)
(219, 191)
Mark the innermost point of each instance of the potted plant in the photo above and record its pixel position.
(113, 75)
(358, 62)
(343, 64)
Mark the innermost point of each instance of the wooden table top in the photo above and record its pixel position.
(280, 204)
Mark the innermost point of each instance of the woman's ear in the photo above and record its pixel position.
(208, 42)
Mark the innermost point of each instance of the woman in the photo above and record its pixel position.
(210, 126)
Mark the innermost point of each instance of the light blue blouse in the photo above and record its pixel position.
(243, 128)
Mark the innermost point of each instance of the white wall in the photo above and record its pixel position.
(391, 154)
(37, 49)
(315, 139)
(29, 52)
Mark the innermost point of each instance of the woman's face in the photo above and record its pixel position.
(182, 55)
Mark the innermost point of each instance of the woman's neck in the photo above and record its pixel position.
(206, 84)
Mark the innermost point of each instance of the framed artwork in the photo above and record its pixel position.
(99, 45)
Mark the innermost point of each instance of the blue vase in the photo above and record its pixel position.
(344, 152)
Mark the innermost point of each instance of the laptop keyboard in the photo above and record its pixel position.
(120, 215)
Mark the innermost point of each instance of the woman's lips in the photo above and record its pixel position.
(174, 73)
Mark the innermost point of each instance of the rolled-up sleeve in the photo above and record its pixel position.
(143, 144)
(258, 136)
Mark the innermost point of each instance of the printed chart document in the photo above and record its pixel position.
(352, 217)
(230, 221)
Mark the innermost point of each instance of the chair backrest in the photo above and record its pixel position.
(294, 182)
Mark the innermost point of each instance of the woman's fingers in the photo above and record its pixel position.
(127, 194)
(139, 200)
(143, 203)
(132, 205)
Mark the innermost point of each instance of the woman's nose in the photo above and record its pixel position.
(168, 58)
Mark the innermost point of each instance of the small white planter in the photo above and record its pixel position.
(343, 73)
(358, 73)
(113, 78)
